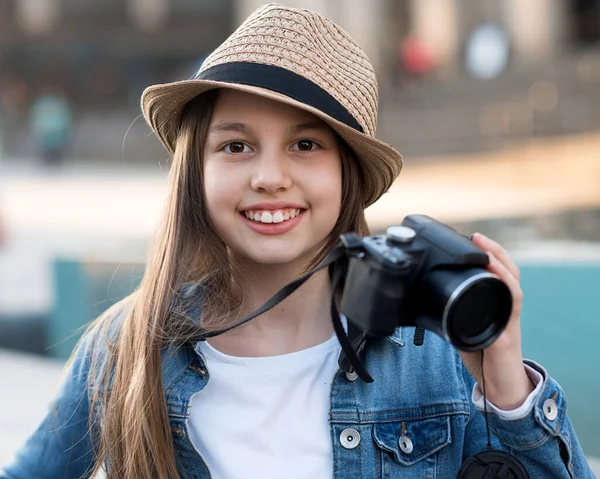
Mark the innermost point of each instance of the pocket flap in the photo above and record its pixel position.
(411, 441)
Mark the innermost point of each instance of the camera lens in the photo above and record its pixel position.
(477, 312)
(469, 308)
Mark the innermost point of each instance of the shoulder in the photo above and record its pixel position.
(98, 343)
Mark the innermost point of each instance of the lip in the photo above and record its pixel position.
(272, 206)
(272, 229)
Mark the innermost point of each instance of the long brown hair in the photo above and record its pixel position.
(135, 439)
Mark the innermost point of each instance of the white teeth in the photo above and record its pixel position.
(267, 217)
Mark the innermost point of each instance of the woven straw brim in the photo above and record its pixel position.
(162, 106)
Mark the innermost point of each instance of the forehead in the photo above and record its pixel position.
(233, 104)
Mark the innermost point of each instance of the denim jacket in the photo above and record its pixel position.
(415, 420)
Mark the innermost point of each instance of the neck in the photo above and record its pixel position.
(300, 321)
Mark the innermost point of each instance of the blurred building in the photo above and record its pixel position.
(537, 29)
(107, 46)
(102, 53)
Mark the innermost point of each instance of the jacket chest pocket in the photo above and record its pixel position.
(413, 446)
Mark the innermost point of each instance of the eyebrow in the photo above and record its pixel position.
(243, 128)
(309, 125)
(229, 126)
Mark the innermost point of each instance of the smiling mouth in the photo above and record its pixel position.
(273, 216)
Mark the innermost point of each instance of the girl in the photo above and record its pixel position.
(274, 156)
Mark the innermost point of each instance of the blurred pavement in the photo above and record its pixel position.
(85, 212)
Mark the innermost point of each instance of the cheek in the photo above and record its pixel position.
(219, 185)
(326, 186)
(211, 187)
(222, 197)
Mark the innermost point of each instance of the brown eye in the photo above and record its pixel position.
(235, 147)
(306, 145)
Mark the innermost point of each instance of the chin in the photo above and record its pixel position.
(276, 251)
(272, 258)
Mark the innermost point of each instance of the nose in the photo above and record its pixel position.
(271, 173)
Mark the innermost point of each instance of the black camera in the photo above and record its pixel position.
(424, 274)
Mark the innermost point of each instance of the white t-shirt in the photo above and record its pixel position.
(266, 417)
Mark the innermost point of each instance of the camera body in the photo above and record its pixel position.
(425, 274)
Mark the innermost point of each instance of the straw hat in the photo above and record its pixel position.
(299, 58)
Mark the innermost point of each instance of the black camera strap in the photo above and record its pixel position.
(334, 258)
(337, 253)
(349, 350)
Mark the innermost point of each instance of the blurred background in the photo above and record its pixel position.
(495, 105)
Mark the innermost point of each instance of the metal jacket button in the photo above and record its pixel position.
(350, 438)
(352, 375)
(550, 409)
(406, 444)
(201, 371)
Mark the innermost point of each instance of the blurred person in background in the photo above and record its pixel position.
(274, 156)
(415, 60)
(14, 97)
(51, 124)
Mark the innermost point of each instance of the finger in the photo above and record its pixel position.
(499, 252)
(499, 268)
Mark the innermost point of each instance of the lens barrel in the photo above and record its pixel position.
(469, 308)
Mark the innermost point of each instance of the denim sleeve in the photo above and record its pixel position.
(61, 446)
(544, 440)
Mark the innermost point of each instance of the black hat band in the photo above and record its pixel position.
(281, 81)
